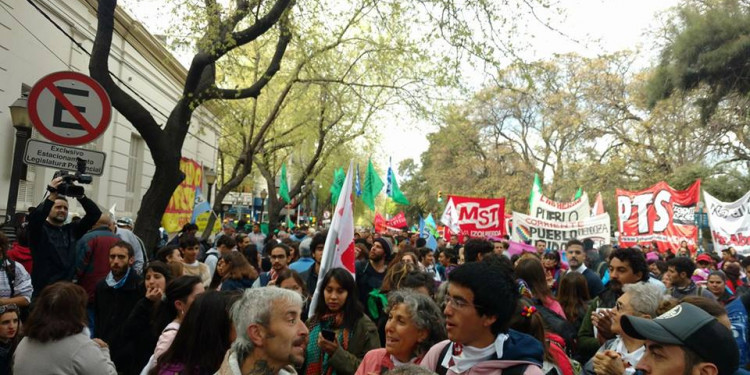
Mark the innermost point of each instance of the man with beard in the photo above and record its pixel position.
(279, 255)
(370, 273)
(271, 336)
(52, 242)
(576, 261)
(626, 266)
(115, 298)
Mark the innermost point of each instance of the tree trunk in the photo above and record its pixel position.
(167, 177)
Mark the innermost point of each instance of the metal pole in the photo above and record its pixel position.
(22, 135)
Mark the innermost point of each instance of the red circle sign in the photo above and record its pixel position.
(69, 108)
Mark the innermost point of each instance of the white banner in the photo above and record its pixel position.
(557, 234)
(730, 223)
(547, 209)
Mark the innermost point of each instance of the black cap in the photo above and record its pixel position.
(689, 326)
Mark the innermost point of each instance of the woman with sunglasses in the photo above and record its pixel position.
(10, 325)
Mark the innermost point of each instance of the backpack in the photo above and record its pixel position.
(518, 369)
(557, 324)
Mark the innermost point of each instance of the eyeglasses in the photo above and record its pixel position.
(458, 303)
(8, 308)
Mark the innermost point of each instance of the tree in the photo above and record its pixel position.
(222, 35)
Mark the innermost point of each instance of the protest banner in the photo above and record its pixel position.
(547, 209)
(379, 223)
(475, 217)
(180, 209)
(659, 213)
(398, 222)
(557, 234)
(729, 222)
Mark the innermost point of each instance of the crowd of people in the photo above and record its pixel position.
(86, 297)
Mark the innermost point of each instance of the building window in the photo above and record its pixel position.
(135, 172)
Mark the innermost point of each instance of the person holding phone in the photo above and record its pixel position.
(340, 333)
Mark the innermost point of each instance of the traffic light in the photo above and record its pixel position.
(440, 196)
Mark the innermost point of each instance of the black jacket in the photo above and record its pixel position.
(53, 248)
(112, 307)
(141, 337)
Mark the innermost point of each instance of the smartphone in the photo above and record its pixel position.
(328, 334)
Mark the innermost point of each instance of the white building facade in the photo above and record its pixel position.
(31, 47)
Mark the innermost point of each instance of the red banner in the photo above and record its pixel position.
(480, 217)
(398, 222)
(379, 223)
(659, 213)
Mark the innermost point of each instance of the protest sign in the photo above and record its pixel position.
(730, 223)
(659, 213)
(476, 217)
(557, 234)
(547, 209)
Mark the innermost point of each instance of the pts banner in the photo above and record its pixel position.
(730, 223)
(557, 233)
(659, 213)
(478, 217)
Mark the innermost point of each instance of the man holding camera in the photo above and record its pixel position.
(53, 242)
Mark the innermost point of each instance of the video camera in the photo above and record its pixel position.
(67, 187)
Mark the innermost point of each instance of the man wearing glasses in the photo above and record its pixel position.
(279, 262)
(477, 319)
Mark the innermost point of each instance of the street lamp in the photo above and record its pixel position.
(19, 115)
(210, 180)
(263, 196)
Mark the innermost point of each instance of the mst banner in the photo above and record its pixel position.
(557, 234)
(547, 209)
(477, 217)
(730, 223)
(659, 213)
(180, 208)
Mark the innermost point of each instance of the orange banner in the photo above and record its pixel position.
(180, 208)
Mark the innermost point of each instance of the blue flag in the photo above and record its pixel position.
(421, 227)
(432, 242)
(357, 186)
(200, 205)
(389, 178)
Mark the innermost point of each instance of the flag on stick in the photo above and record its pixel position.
(284, 188)
(536, 192)
(373, 186)
(393, 191)
(338, 251)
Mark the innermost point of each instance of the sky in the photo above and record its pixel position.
(590, 28)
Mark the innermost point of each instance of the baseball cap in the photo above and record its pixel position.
(689, 326)
(704, 258)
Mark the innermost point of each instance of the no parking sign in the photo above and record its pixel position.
(69, 108)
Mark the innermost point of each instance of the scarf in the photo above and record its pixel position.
(463, 358)
(372, 303)
(117, 284)
(317, 361)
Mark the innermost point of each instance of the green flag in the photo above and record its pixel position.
(289, 223)
(372, 187)
(578, 193)
(536, 192)
(284, 189)
(393, 191)
(338, 183)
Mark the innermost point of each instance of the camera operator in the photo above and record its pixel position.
(52, 242)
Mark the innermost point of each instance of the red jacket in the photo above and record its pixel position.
(21, 254)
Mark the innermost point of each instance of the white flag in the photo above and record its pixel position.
(339, 247)
(450, 217)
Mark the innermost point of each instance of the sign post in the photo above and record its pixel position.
(69, 108)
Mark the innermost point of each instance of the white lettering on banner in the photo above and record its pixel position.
(482, 217)
(643, 202)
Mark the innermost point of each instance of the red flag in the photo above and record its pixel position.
(339, 247)
(379, 223)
